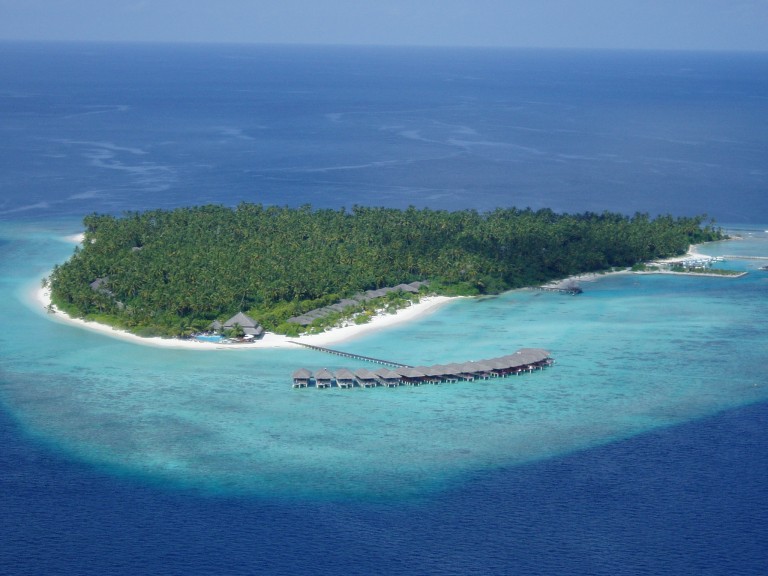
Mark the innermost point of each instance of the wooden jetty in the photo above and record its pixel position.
(351, 355)
(730, 257)
(517, 363)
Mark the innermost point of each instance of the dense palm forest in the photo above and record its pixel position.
(170, 272)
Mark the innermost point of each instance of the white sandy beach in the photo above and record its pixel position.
(427, 305)
(41, 297)
(592, 276)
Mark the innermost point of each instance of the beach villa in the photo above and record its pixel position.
(250, 327)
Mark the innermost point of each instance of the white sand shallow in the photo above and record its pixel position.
(42, 298)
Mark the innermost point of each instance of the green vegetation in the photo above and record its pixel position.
(172, 272)
(643, 267)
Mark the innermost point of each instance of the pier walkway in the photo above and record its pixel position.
(746, 257)
(353, 356)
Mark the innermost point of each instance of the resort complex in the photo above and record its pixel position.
(309, 317)
(240, 322)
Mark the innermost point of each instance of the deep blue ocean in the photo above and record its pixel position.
(643, 451)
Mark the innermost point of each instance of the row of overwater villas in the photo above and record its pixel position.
(524, 360)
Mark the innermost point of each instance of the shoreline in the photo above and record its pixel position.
(41, 296)
(427, 305)
(691, 253)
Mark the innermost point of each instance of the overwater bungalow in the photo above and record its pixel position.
(344, 378)
(429, 377)
(411, 376)
(471, 370)
(323, 378)
(507, 365)
(441, 372)
(387, 377)
(434, 374)
(524, 360)
(493, 367)
(485, 369)
(478, 369)
(365, 378)
(301, 378)
(459, 372)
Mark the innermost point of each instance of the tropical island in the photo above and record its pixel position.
(173, 273)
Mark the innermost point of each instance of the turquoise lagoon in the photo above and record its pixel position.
(634, 353)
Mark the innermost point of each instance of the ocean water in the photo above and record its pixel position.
(643, 450)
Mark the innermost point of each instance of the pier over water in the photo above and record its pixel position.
(517, 363)
(351, 355)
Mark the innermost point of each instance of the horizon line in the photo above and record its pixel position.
(224, 43)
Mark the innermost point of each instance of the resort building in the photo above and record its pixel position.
(307, 318)
(250, 327)
(301, 378)
(524, 360)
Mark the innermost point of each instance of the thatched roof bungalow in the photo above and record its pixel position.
(248, 324)
(308, 317)
(323, 378)
(365, 378)
(301, 378)
(411, 376)
(100, 285)
(431, 375)
(344, 378)
(407, 288)
(387, 377)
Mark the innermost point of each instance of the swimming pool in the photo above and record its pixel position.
(212, 338)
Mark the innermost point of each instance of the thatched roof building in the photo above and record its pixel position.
(301, 378)
(344, 378)
(524, 360)
(365, 378)
(387, 377)
(308, 317)
(323, 378)
(410, 375)
(248, 324)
